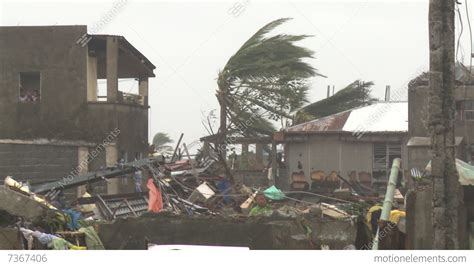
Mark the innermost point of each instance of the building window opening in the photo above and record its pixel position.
(30, 87)
(384, 154)
(465, 110)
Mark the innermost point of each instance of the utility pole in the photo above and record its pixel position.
(446, 192)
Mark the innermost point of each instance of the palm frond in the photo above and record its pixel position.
(267, 75)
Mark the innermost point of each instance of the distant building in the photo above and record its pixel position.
(419, 140)
(419, 223)
(51, 117)
(358, 144)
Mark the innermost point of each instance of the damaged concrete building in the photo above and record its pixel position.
(358, 144)
(419, 203)
(52, 118)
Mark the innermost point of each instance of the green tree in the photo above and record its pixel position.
(264, 81)
(161, 139)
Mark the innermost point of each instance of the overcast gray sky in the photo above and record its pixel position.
(189, 41)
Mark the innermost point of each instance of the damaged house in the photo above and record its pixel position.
(53, 121)
(358, 144)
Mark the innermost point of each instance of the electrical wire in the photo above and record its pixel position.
(470, 66)
(470, 38)
(460, 33)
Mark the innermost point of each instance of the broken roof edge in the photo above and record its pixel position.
(129, 46)
(418, 141)
(52, 142)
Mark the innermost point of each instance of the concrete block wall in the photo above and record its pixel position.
(37, 163)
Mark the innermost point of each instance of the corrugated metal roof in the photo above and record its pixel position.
(329, 123)
(378, 117)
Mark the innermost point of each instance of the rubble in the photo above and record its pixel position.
(188, 192)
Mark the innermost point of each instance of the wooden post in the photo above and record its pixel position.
(244, 157)
(274, 160)
(259, 154)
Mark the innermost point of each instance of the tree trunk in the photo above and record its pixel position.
(222, 134)
(223, 116)
(441, 124)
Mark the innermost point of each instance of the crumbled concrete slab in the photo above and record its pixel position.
(9, 239)
(18, 204)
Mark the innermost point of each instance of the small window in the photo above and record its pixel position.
(30, 87)
(465, 110)
(383, 156)
(469, 115)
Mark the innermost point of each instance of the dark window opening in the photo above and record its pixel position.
(30, 87)
(470, 154)
(384, 154)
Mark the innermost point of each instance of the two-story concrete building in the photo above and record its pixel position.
(52, 117)
(419, 140)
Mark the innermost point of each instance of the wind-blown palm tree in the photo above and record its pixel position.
(160, 141)
(264, 80)
(353, 95)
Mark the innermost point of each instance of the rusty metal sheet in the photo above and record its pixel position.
(334, 122)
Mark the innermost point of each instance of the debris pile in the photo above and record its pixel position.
(181, 188)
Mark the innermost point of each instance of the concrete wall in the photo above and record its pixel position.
(131, 120)
(255, 233)
(37, 163)
(418, 117)
(53, 52)
(40, 164)
(63, 112)
(419, 218)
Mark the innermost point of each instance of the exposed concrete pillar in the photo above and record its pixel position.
(91, 78)
(83, 166)
(112, 68)
(259, 154)
(244, 156)
(143, 89)
(111, 158)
